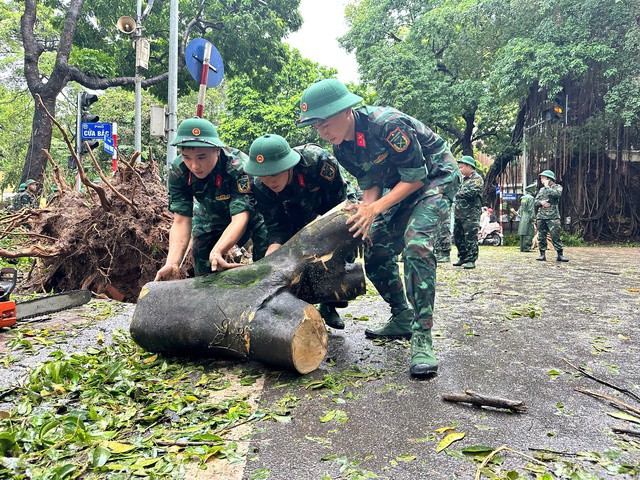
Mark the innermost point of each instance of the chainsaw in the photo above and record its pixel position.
(11, 312)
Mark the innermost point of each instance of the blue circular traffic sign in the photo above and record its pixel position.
(194, 58)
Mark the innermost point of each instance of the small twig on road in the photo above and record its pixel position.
(625, 431)
(619, 404)
(603, 382)
(488, 458)
(476, 293)
(469, 396)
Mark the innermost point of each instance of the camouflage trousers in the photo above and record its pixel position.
(202, 245)
(465, 236)
(412, 232)
(443, 239)
(545, 227)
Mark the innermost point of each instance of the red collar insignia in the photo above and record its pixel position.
(360, 141)
(301, 180)
(218, 181)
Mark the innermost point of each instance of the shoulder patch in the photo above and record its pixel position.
(328, 171)
(244, 186)
(398, 140)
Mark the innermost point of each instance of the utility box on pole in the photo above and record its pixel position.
(158, 127)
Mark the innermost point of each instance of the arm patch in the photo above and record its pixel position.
(243, 184)
(398, 140)
(328, 171)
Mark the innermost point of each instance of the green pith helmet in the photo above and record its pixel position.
(270, 155)
(29, 182)
(22, 187)
(323, 100)
(197, 132)
(54, 188)
(468, 160)
(548, 174)
(531, 188)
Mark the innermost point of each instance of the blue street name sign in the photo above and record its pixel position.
(95, 131)
(498, 190)
(108, 145)
(509, 197)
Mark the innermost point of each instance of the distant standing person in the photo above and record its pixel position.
(409, 178)
(27, 199)
(468, 208)
(293, 186)
(548, 217)
(527, 214)
(210, 198)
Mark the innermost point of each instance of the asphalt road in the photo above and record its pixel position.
(503, 329)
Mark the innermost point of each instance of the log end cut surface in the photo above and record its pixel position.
(309, 345)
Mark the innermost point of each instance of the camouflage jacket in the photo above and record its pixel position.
(316, 187)
(392, 147)
(469, 197)
(552, 195)
(225, 192)
(24, 200)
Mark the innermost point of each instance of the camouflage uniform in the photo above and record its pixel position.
(317, 187)
(548, 218)
(25, 199)
(527, 216)
(225, 192)
(392, 147)
(467, 218)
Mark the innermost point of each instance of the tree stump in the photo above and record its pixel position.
(263, 311)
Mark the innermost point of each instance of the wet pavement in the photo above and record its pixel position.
(503, 329)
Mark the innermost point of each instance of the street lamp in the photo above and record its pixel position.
(134, 28)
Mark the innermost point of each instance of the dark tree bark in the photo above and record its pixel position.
(50, 87)
(262, 311)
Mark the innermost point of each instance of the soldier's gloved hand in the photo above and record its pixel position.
(168, 272)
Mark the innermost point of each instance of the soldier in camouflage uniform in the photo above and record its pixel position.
(548, 217)
(26, 199)
(527, 215)
(468, 210)
(224, 212)
(387, 149)
(443, 240)
(293, 187)
(53, 195)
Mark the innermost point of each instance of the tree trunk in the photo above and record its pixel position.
(41, 128)
(262, 311)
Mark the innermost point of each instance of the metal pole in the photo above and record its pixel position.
(524, 160)
(204, 78)
(138, 101)
(173, 83)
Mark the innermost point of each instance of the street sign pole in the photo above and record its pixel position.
(204, 76)
(114, 156)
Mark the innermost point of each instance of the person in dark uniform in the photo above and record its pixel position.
(293, 186)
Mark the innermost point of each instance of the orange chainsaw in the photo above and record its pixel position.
(11, 312)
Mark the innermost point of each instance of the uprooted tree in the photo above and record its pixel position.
(262, 311)
(111, 238)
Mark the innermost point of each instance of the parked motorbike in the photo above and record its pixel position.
(491, 234)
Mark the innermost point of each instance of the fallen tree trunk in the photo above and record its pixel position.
(263, 311)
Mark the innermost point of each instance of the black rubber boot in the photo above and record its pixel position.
(331, 316)
(561, 258)
(542, 256)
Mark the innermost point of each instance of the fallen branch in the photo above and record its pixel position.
(27, 234)
(32, 251)
(469, 396)
(613, 400)
(603, 382)
(108, 183)
(625, 431)
(58, 178)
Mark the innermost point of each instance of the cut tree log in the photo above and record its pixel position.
(263, 311)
